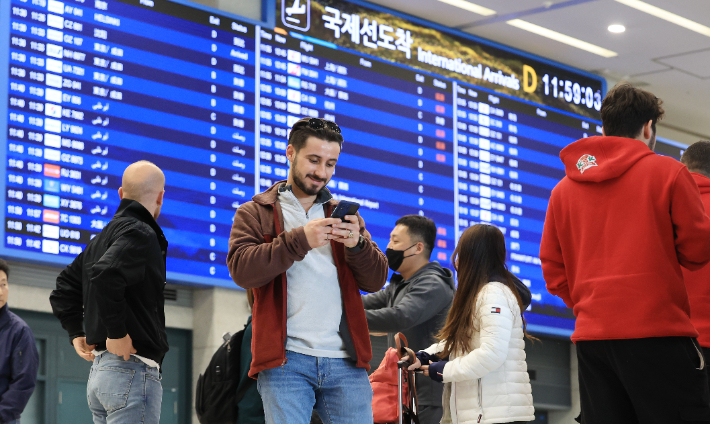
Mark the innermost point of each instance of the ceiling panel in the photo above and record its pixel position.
(696, 10)
(432, 10)
(695, 63)
(686, 99)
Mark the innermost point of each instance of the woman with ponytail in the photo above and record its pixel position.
(480, 357)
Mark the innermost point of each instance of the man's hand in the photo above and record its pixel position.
(318, 231)
(83, 349)
(121, 347)
(348, 231)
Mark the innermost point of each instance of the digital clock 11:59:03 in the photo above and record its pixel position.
(572, 92)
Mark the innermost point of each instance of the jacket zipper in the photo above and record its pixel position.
(455, 411)
(480, 400)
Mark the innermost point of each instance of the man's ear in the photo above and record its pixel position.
(159, 200)
(290, 152)
(648, 130)
(120, 193)
(420, 247)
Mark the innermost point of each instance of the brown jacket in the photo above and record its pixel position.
(260, 253)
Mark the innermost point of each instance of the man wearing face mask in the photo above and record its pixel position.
(415, 302)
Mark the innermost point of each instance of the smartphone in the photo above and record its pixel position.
(344, 208)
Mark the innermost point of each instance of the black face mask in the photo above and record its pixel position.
(396, 257)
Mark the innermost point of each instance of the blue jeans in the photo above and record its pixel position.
(340, 391)
(123, 392)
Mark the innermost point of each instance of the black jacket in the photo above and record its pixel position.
(417, 307)
(115, 286)
(18, 365)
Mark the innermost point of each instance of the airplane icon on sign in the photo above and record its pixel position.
(297, 9)
(297, 15)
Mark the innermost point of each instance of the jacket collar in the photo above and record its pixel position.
(397, 278)
(322, 197)
(132, 209)
(4, 316)
(270, 196)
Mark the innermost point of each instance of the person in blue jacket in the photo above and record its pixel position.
(18, 358)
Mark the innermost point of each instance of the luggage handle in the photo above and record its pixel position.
(403, 349)
(413, 403)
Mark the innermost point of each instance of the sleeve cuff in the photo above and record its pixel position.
(426, 358)
(436, 371)
(359, 246)
(299, 234)
(117, 332)
(74, 328)
(74, 336)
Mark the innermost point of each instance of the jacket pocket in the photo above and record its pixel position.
(699, 352)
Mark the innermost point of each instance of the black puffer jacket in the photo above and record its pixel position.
(115, 286)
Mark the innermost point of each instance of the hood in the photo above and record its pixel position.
(597, 159)
(434, 269)
(523, 290)
(702, 181)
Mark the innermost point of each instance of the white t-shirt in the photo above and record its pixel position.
(151, 363)
(314, 301)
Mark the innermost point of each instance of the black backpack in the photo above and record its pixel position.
(216, 399)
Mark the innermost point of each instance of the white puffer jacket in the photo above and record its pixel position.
(490, 384)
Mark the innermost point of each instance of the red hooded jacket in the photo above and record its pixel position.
(618, 228)
(698, 282)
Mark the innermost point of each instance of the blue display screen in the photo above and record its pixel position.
(90, 87)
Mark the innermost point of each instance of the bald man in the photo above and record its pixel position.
(110, 301)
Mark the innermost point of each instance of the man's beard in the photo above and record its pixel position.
(652, 143)
(302, 184)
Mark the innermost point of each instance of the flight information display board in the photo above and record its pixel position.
(435, 123)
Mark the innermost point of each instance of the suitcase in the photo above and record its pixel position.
(408, 405)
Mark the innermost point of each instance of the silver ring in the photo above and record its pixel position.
(350, 235)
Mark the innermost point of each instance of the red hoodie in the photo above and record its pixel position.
(698, 282)
(618, 228)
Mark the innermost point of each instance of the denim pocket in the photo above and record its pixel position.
(112, 386)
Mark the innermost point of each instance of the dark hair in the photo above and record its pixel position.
(479, 256)
(626, 109)
(301, 131)
(420, 228)
(5, 267)
(697, 158)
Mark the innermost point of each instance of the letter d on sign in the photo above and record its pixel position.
(529, 79)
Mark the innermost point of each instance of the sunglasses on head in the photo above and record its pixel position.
(317, 124)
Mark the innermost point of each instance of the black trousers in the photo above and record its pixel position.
(645, 381)
(706, 351)
(429, 414)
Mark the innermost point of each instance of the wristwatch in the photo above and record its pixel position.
(359, 246)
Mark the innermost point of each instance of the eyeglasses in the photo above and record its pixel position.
(317, 124)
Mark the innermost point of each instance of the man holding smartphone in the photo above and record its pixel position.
(310, 342)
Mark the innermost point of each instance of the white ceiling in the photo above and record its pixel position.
(661, 57)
